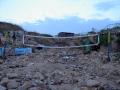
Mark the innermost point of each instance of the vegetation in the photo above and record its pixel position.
(8, 26)
(38, 34)
(103, 33)
(104, 39)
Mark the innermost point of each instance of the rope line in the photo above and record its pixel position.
(62, 37)
(43, 46)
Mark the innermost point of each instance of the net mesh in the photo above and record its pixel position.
(61, 42)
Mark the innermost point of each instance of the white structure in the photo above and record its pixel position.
(75, 37)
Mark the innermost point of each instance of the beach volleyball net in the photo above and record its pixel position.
(61, 42)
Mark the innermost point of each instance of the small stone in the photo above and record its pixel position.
(92, 83)
(84, 88)
(12, 75)
(61, 87)
(87, 88)
(38, 76)
(76, 88)
(25, 86)
(53, 87)
(1, 61)
(38, 82)
(2, 88)
(0, 78)
(4, 81)
(12, 84)
(34, 88)
(100, 88)
(118, 81)
(30, 64)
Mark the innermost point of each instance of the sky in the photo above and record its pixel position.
(53, 16)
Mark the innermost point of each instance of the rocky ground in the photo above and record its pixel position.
(60, 69)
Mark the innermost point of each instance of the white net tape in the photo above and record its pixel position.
(60, 42)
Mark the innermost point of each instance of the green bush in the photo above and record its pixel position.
(104, 39)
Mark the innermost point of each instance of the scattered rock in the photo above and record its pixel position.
(35, 88)
(76, 88)
(38, 82)
(4, 81)
(13, 66)
(92, 83)
(88, 88)
(61, 87)
(12, 89)
(12, 75)
(1, 61)
(2, 88)
(118, 81)
(115, 72)
(30, 64)
(101, 88)
(12, 84)
(0, 78)
(38, 75)
(25, 86)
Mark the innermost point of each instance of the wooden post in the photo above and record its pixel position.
(109, 45)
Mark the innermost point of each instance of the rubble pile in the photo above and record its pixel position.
(60, 69)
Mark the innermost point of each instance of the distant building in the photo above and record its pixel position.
(65, 34)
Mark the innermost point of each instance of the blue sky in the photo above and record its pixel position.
(53, 16)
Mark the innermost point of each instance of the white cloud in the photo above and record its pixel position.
(31, 10)
(108, 10)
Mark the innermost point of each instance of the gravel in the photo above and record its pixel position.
(60, 69)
